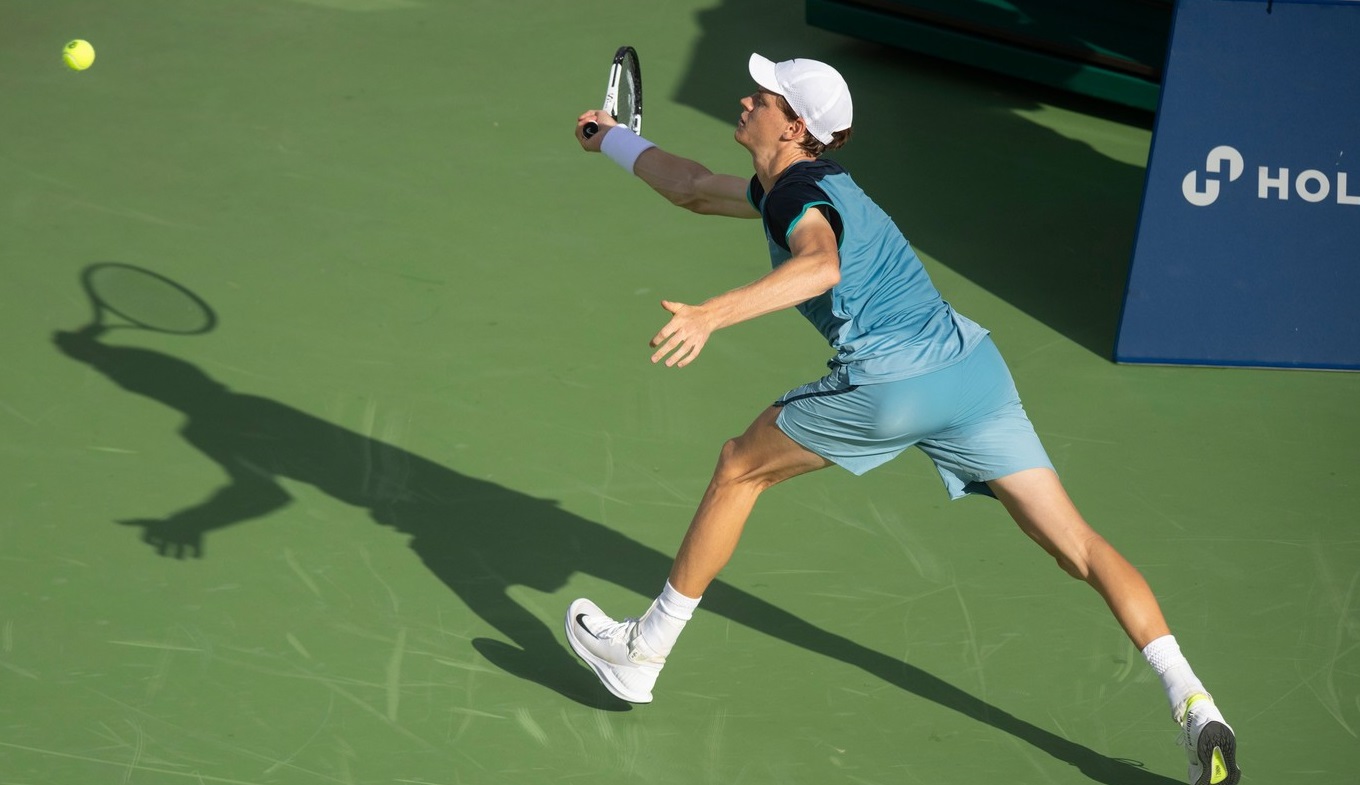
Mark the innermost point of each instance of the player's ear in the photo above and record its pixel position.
(796, 130)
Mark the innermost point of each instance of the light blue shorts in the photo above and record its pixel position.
(967, 417)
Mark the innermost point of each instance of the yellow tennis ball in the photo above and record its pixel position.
(78, 55)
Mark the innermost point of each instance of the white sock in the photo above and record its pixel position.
(662, 624)
(1179, 681)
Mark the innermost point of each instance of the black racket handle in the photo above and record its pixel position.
(590, 129)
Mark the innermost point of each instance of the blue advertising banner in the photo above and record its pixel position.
(1248, 244)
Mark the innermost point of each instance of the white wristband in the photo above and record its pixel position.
(623, 146)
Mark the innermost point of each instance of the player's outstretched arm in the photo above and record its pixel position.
(690, 184)
(682, 181)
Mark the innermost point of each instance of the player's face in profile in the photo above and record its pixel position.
(761, 118)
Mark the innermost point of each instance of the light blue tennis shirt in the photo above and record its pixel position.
(885, 319)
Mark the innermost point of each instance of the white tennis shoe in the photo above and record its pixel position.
(1209, 742)
(626, 665)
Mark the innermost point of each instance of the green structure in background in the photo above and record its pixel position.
(1110, 50)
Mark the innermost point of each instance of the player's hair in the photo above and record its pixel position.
(811, 144)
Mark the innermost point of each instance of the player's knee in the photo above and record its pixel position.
(732, 463)
(736, 467)
(1063, 557)
(1076, 559)
(1071, 568)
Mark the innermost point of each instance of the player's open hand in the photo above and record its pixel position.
(598, 117)
(684, 336)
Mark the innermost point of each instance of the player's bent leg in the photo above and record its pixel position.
(626, 661)
(1037, 501)
(761, 457)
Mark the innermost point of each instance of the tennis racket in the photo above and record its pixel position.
(623, 97)
(143, 300)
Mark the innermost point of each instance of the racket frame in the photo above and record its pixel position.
(625, 65)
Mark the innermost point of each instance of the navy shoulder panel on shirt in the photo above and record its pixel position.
(795, 189)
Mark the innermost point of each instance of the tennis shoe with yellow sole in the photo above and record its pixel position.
(1209, 742)
(626, 665)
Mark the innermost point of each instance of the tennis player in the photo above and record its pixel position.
(908, 371)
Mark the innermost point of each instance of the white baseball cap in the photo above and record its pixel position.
(814, 89)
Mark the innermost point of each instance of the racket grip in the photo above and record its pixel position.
(590, 129)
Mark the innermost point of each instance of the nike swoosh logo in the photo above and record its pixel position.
(582, 625)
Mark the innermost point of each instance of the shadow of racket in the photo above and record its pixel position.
(124, 296)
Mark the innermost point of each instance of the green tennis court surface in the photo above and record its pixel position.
(425, 422)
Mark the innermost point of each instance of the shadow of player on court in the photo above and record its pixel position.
(477, 537)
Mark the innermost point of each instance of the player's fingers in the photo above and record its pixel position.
(672, 328)
(692, 350)
(671, 345)
(682, 358)
(680, 350)
(660, 353)
(590, 144)
(658, 339)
